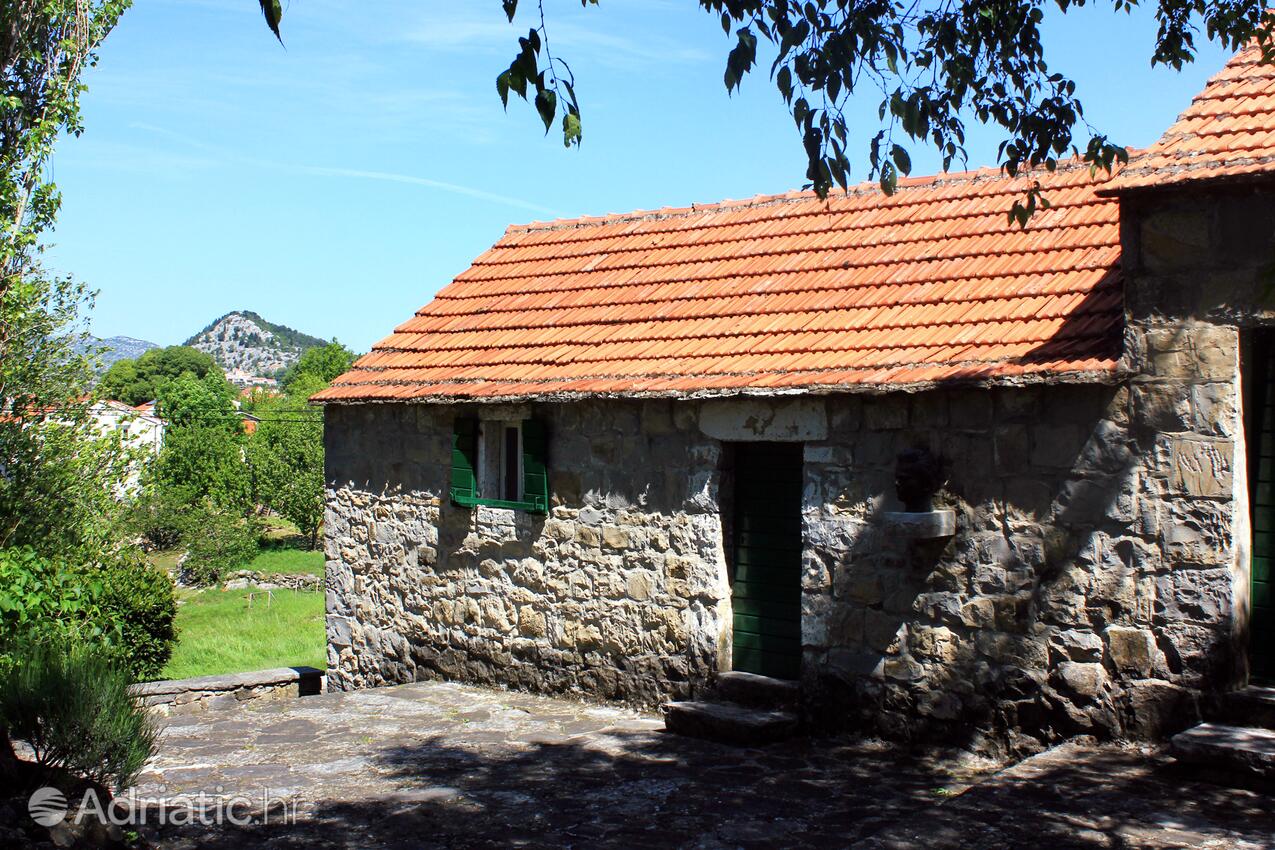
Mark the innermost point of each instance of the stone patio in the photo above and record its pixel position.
(444, 765)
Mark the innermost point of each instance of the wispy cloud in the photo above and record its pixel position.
(466, 32)
(224, 157)
(441, 185)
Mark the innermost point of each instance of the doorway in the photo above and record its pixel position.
(1259, 437)
(766, 532)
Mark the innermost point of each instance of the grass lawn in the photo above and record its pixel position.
(218, 633)
(288, 561)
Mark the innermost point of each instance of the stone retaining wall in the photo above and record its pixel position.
(188, 696)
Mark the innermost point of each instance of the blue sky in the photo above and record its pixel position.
(336, 185)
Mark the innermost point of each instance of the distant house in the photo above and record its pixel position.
(248, 381)
(138, 426)
(619, 455)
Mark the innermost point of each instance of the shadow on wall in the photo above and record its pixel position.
(1037, 621)
(652, 789)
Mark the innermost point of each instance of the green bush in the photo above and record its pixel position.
(216, 543)
(125, 606)
(39, 594)
(137, 600)
(69, 701)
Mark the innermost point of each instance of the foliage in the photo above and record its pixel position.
(208, 460)
(125, 606)
(190, 401)
(203, 449)
(69, 702)
(286, 456)
(59, 477)
(217, 542)
(936, 66)
(44, 48)
(322, 364)
(137, 602)
(137, 381)
(159, 514)
(39, 594)
(221, 634)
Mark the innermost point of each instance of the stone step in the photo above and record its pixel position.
(1252, 706)
(729, 723)
(1245, 752)
(755, 691)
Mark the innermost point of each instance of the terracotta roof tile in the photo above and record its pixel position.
(784, 292)
(1228, 132)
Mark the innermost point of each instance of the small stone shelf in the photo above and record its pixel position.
(922, 525)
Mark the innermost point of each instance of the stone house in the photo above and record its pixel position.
(620, 455)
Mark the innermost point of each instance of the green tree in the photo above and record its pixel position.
(59, 476)
(204, 444)
(935, 67)
(141, 380)
(45, 46)
(323, 363)
(191, 400)
(286, 456)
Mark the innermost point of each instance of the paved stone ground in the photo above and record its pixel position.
(443, 765)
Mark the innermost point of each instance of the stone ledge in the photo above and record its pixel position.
(921, 525)
(186, 696)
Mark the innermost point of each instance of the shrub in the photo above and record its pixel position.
(125, 606)
(69, 701)
(137, 600)
(39, 594)
(217, 542)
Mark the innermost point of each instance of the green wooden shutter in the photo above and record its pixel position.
(464, 488)
(535, 477)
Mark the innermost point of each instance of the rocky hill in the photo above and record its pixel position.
(117, 348)
(244, 340)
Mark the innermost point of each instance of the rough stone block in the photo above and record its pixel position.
(778, 419)
(1077, 645)
(1202, 467)
(1131, 650)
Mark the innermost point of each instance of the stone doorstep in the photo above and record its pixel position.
(1246, 751)
(308, 680)
(755, 691)
(1252, 706)
(729, 723)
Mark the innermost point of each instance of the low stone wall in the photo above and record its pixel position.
(188, 696)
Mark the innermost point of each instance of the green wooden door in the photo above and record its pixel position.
(1260, 438)
(766, 591)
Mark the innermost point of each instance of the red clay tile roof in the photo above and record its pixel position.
(779, 293)
(1227, 132)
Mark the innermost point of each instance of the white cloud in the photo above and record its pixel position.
(427, 182)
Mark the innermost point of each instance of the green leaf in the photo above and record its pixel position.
(502, 88)
(273, 11)
(902, 161)
(571, 129)
(547, 106)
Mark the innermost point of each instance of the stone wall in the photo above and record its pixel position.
(1096, 583)
(619, 592)
(191, 696)
(1087, 589)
